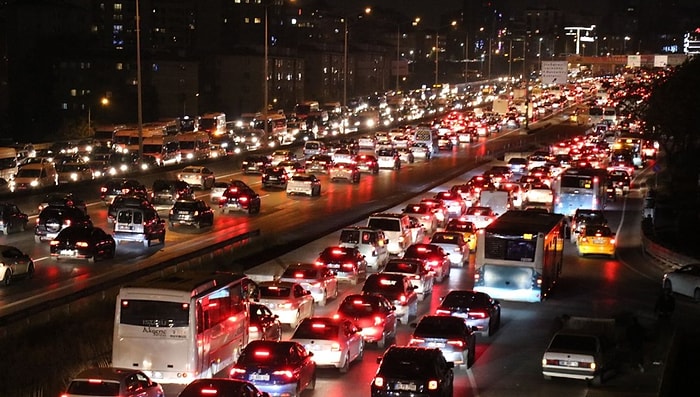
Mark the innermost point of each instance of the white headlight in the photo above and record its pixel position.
(34, 183)
(74, 176)
(123, 167)
(190, 156)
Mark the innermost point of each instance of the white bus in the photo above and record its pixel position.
(213, 123)
(182, 327)
(127, 140)
(519, 255)
(194, 146)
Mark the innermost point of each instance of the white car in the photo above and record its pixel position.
(281, 155)
(335, 342)
(291, 302)
(343, 155)
(454, 244)
(113, 382)
(421, 278)
(217, 191)
(306, 184)
(684, 281)
(319, 280)
(197, 176)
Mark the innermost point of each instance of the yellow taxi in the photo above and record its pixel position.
(467, 229)
(596, 240)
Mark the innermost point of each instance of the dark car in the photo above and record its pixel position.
(264, 325)
(413, 371)
(451, 335)
(63, 199)
(133, 200)
(282, 368)
(221, 387)
(434, 257)
(398, 289)
(12, 219)
(114, 187)
(367, 163)
(83, 242)
(255, 164)
(373, 314)
(190, 212)
(347, 263)
(239, 197)
(166, 192)
(275, 177)
(53, 219)
(477, 309)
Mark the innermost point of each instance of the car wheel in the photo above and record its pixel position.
(147, 242)
(381, 343)
(346, 364)
(324, 299)
(361, 353)
(7, 278)
(92, 259)
(492, 326)
(312, 383)
(30, 270)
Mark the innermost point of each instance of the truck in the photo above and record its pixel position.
(583, 348)
(500, 105)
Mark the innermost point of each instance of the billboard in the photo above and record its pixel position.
(634, 61)
(554, 72)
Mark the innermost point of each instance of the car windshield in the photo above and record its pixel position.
(311, 329)
(186, 205)
(274, 291)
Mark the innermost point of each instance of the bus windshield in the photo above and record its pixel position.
(578, 182)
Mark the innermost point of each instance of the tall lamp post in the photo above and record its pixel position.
(265, 74)
(138, 81)
(345, 57)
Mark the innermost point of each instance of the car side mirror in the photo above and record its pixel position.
(379, 360)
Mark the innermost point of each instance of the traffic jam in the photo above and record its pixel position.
(395, 258)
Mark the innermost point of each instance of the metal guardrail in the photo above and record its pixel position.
(670, 259)
(45, 310)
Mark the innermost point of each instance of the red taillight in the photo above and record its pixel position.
(378, 320)
(236, 371)
(477, 314)
(442, 312)
(458, 343)
(402, 298)
(243, 199)
(209, 392)
(54, 242)
(335, 346)
(320, 263)
(348, 265)
(289, 374)
(81, 244)
(103, 189)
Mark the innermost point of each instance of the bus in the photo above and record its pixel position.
(276, 126)
(127, 140)
(183, 326)
(165, 149)
(105, 133)
(213, 123)
(583, 188)
(519, 256)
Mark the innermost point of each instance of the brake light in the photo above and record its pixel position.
(348, 265)
(612, 241)
(286, 305)
(379, 381)
(416, 277)
(262, 353)
(81, 244)
(54, 242)
(432, 384)
(299, 275)
(253, 328)
(416, 341)
(402, 298)
(209, 392)
(337, 251)
(378, 320)
(103, 189)
(235, 371)
(442, 312)
(243, 199)
(286, 373)
(458, 343)
(477, 314)
(319, 263)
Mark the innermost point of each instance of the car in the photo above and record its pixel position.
(319, 163)
(397, 227)
(239, 197)
(319, 280)
(367, 163)
(421, 277)
(684, 280)
(403, 371)
(138, 224)
(453, 202)
(282, 368)
(335, 342)
(451, 335)
(480, 216)
(424, 214)
(343, 155)
(344, 171)
(263, 324)
(596, 240)
(164, 193)
(454, 245)
(275, 177)
(82, 242)
(197, 176)
(372, 243)
(306, 184)
(434, 257)
(110, 381)
(14, 263)
(398, 289)
(255, 164)
(582, 217)
(217, 191)
(114, 187)
(438, 207)
(292, 166)
(290, 301)
(467, 229)
(191, 212)
(221, 387)
(281, 155)
(373, 314)
(12, 219)
(54, 218)
(346, 263)
(312, 148)
(420, 150)
(388, 158)
(620, 181)
(73, 172)
(133, 200)
(406, 155)
(477, 309)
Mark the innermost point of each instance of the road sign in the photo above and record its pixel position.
(554, 72)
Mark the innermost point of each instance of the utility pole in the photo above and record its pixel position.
(138, 81)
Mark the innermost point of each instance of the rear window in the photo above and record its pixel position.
(93, 388)
(383, 284)
(130, 217)
(386, 224)
(402, 267)
(311, 145)
(316, 330)
(440, 326)
(274, 291)
(358, 237)
(300, 273)
(411, 366)
(356, 306)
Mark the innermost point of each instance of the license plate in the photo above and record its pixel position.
(405, 386)
(259, 377)
(598, 240)
(569, 363)
(273, 178)
(313, 347)
(436, 344)
(67, 252)
(125, 227)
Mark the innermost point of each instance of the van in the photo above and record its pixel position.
(8, 163)
(314, 147)
(194, 146)
(372, 243)
(140, 224)
(35, 176)
(425, 135)
(396, 228)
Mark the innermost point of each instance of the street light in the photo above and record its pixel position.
(104, 101)
(345, 57)
(138, 81)
(539, 55)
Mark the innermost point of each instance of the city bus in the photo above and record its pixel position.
(126, 140)
(583, 188)
(519, 256)
(183, 326)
